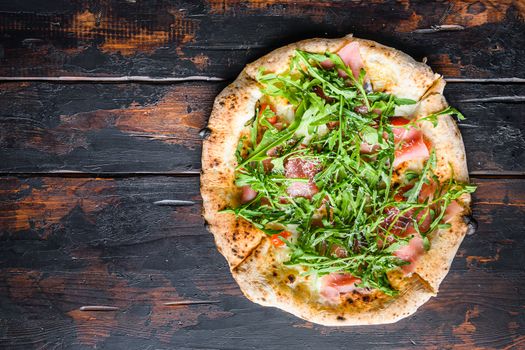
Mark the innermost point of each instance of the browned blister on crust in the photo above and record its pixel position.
(256, 264)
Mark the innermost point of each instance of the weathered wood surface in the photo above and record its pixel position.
(462, 39)
(131, 128)
(70, 239)
(67, 243)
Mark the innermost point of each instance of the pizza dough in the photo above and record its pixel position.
(255, 263)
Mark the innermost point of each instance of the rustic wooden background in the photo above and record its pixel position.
(102, 106)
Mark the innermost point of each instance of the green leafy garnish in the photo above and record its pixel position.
(345, 137)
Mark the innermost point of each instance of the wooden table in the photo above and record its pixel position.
(102, 107)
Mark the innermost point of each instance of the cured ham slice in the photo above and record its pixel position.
(411, 252)
(335, 284)
(352, 58)
(410, 144)
(396, 223)
(327, 64)
(424, 219)
(320, 92)
(302, 189)
(248, 194)
(338, 251)
(366, 148)
(403, 227)
(410, 150)
(299, 168)
(267, 164)
(453, 209)
(427, 191)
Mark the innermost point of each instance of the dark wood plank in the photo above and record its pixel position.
(480, 39)
(130, 128)
(494, 132)
(103, 128)
(67, 243)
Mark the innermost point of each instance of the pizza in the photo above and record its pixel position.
(335, 183)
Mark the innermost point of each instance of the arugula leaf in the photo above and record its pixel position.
(413, 193)
(404, 101)
(433, 118)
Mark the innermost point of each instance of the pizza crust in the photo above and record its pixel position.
(235, 238)
(451, 163)
(390, 70)
(252, 258)
(265, 282)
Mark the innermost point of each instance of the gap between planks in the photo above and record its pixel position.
(124, 79)
(174, 80)
(107, 175)
(196, 173)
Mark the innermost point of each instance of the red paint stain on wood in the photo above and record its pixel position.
(410, 24)
(22, 283)
(53, 199)
(108, 30)
(497, 193)
(53, 285)
(201, 61)
(141, 311)
(443, 64)
(60, 140)
(84, 21)
(93, 327)
(476, 13)
(190, 215)
(216, 285)
(168, 120)
(307, 325)
(465, 13)
(139, 297)
(466, 330)
(315, 11)
(175, 119)
(127, 36)
(474, 260)
(164, 320)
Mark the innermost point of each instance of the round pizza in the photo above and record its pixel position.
(335, 183)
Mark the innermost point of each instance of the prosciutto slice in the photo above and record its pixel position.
(411, 252)
(410, 144)
(299, 168)
(351, 56)
(404, 227)
(415, 248)
(248, 194)
(302, 189)
(335, 284)
(453, 209)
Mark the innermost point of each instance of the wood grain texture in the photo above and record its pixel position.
(67, 243)
(104, 128)
(130, 128)
(100, 204)
(217, 37)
